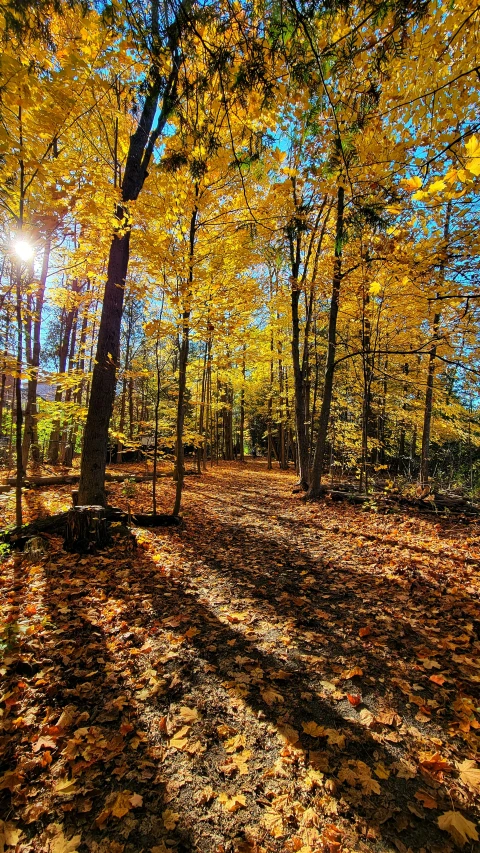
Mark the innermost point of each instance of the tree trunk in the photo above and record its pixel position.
(18, 399)
(427, 418)
(102, 392)
(242, 410)
(182, 368)
(314, 490)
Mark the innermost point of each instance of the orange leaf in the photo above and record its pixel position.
(354, 700)
(438, 679)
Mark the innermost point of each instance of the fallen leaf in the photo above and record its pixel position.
(189, 715)
(233, 804)
(170, 818)
(458, 827)
(271, 696)
(470, 774)
(433, 761)
(427, 801)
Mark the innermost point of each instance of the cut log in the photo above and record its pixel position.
(86, 529)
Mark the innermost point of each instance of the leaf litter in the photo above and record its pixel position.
(278, 676)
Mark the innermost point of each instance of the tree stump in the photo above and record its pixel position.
(86, 529)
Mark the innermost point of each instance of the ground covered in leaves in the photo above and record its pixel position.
(277, 676)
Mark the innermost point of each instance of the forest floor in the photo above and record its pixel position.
(276, 676)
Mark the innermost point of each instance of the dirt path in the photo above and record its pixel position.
(276, 677)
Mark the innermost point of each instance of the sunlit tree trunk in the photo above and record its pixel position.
(182, 368)
(427, 417)
(102, 391)
(317, 470)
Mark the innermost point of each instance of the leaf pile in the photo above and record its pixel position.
(276, 677)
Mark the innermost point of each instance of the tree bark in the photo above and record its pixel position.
(317, 470)
(427, 418)
(102, 392)
(182, 368)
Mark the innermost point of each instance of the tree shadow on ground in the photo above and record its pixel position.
(128, 641)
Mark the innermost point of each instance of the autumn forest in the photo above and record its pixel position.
(239, 426)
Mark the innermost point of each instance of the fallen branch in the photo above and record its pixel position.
(57, 524)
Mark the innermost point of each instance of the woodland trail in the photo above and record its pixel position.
(278, 676)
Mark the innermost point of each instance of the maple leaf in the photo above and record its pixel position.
(121, 804)
(189, 715)
(235, 743)
(271, 696)
(59, 843)
(9, 834)
(65, 786)
(458, 827)
(313, 729)
(272, 820)
(206, 795)
(44, 743)
(470, 774)
(433, 761)
(313, 779)
(426, 799)
(179, 740)
(412, 184)
(233, 804)
(352, 673)
(10, 779)
(170, 818)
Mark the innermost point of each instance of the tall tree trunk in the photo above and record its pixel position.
(102, 392)
(427, 417)
(317, 470)
(156, 411)
(18, 400)
(269, 411)
(182, 368)
(242, 408)
(54, 442)
(30, 429)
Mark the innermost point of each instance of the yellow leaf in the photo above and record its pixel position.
(381, 771)
(273, 822)
(470, 774)
(179, 740)
(9, 834)
(412, 183)
(473, 165)
(271, 696)
(375, 288)
(65, 786)
(121, 804)
(437, 186)
(313, 729)
(473, 147)
(458, 827)
(313, 779)
(60, 844)
(233, 804)
(189, 715)
(170, 819)
(235, 743)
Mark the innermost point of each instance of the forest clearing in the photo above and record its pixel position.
(239, 426)
(277, 676)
